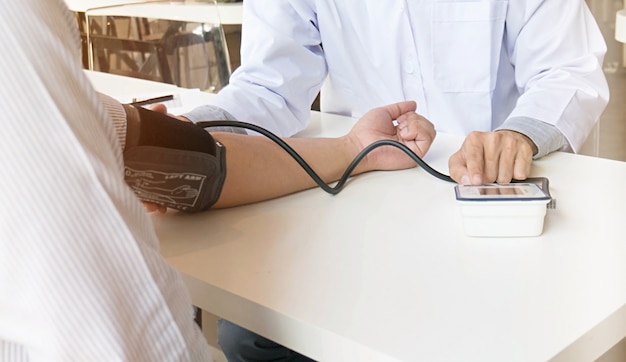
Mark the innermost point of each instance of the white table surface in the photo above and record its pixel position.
(383, 272)
(84, 5)
(229, 13)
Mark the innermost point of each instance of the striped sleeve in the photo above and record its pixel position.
(81, 277)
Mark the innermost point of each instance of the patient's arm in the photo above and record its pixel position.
(258, 169)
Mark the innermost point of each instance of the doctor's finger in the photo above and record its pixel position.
(492, 163)
(474, 153)
(511, 152)
(516, 157)
(506, 166)
(457, 168)
(523, 164)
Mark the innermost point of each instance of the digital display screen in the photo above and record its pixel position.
(513, 191)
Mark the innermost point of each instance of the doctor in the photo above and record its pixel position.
(530, 70)
(518, 78)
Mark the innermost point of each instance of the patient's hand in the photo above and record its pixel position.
(409, 128)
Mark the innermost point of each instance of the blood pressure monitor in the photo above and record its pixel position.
(504, 210)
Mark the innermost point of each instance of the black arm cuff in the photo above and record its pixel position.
(173, 163)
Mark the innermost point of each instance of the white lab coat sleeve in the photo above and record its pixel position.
(282, 66)
(557, 50)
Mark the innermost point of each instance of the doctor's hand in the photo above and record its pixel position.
(487, 157)
(413, 130)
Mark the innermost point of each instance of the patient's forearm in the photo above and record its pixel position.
(258, 169)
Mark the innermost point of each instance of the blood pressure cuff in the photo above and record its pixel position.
(172, 163)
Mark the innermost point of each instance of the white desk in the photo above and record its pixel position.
(228, 13)
(231, 13)
(125, 89)
(383, 272)
(83, 5)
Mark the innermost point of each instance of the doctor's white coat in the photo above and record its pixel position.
(469, 64)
